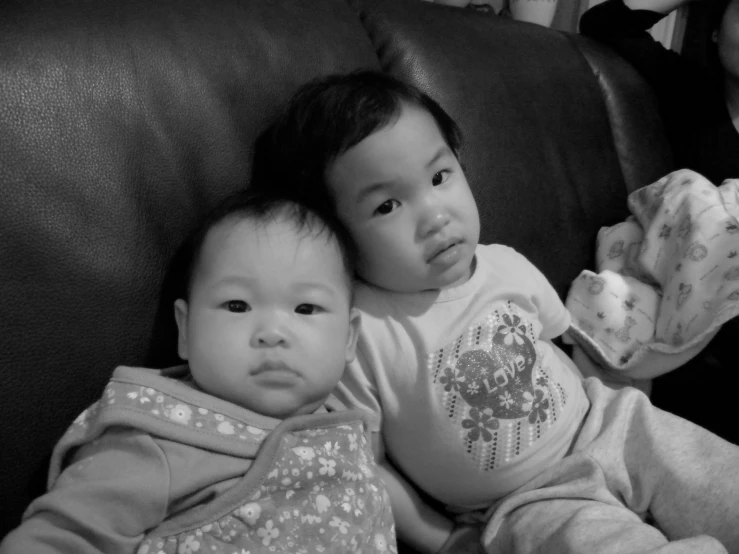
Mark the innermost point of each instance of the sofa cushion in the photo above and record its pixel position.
(122, 123)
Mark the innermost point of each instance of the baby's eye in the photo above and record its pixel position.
(440, 177)
(307, 309)
(237, 306)
(387, 207)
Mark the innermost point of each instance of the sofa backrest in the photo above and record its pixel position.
(122, 123)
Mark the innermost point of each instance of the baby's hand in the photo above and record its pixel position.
(465, 539)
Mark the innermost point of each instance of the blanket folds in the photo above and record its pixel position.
(668, 278)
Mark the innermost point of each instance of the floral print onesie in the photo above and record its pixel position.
(182, 472)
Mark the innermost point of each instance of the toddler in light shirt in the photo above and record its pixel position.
(479, 408)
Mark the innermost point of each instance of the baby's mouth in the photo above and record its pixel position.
(272, 367)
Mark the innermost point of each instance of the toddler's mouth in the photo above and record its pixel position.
(441, 248)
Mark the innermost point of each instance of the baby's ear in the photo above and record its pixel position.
(355, 323)
(180, 316)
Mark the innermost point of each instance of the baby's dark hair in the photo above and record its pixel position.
(328, 116)
(262, 208)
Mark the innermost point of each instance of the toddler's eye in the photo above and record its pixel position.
(237, 306)
(440, 177)
(387, 207)
(306, 309)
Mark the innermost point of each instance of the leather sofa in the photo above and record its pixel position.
(123, 121)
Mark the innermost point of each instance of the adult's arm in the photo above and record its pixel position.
(624, 28)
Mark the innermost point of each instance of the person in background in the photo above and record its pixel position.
(244, 448)
(699, 106)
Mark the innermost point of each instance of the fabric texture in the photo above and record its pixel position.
(704, 139)
(668, 277)
(156, 466)
(474, 398)
(638, 480)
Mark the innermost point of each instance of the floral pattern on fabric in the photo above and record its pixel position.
(164, 406)
(321, 495)
(668, 276)
(494, 387)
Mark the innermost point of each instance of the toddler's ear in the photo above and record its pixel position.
(180, 316)
(355, 322)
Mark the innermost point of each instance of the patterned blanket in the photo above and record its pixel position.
(668, 278)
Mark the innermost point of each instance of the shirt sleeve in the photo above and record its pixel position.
(553, 315)
(112, 492)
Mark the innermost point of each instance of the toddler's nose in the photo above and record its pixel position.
(434, 220)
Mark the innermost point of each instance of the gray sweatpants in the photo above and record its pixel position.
(628, 460)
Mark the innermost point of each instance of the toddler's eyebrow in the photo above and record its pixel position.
(375, 187)
(372, 189)
(443, 151)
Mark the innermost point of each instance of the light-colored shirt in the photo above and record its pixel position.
(473, 398)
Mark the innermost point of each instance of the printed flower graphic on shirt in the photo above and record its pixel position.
(250, 512)
(449, 380)
(181, 413)
(189, 546)
(538, 407)
(341, 525)
(305, 453)
(327, 467)
(506, 399)
(380, 542)
(268, 532)
(226, 428)
(332, 449)
(512, 329)
(479, 423)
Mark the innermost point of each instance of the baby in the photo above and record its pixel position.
(479, 408)
(244, 449)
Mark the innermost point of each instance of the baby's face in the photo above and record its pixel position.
(406, 201)
(268, 325)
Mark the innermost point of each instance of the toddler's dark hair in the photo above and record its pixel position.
(262, 208)
(328, 116)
